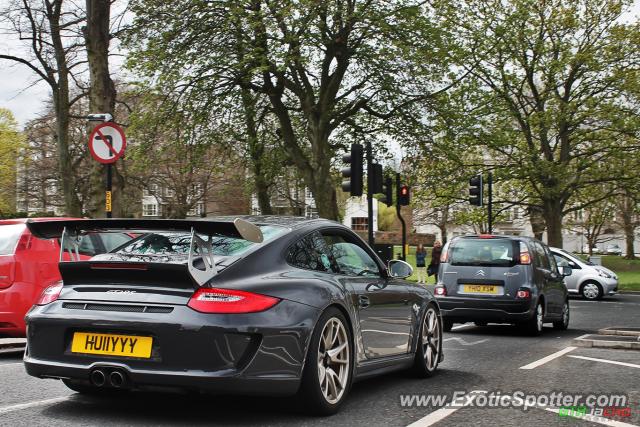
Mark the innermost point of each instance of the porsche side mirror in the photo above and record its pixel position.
(399, 269)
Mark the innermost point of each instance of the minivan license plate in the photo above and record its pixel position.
(482, 289)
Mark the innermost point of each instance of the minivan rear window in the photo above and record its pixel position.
(485, 252)
(9, 235)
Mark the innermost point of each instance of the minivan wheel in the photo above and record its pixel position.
(591, 291)
(429, 345)
(327, 373)
(564, 323)
(447, 325)
(534, 325)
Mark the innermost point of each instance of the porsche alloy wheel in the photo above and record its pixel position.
(429, 344)
(327, 373)
(333, 360)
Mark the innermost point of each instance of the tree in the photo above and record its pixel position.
(102, 99)
(551, 97)
(321, 64)
(593, 220)
(49, 31)
(11, 146)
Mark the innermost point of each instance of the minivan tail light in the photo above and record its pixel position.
(485, 236)
(525, 259)
(25, 242)
(50, 294)
(441, 290)
(523, 294)
(209, 300)
(443, 257)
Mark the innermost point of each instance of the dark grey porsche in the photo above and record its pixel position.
(242, 305)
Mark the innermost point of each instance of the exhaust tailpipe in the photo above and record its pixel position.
(98, 378)
(117, 379)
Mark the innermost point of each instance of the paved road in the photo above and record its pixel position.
(477, 358)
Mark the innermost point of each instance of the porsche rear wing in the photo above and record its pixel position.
(71, 230)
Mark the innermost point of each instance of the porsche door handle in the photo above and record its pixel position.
(364, 301)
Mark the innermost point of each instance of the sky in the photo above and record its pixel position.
(20, 93)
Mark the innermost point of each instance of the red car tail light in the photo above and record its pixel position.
(209, 300)
(50, 294)
(485, 236)
(7, 325)
(25, 242)
(441, 290)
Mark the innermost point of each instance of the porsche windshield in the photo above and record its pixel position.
(167, 243)
(487, 252)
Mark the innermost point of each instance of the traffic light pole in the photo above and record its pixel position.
(370, 194)
(404, 225)
(490, 206)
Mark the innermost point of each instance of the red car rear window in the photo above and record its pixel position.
(9, 235)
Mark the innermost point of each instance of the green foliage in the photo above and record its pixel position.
(11, 143)
(387, 215)
(14, 215)
(42, 214)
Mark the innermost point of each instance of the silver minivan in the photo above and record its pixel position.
(587, 279)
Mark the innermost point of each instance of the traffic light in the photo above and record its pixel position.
(475, 189)
(376, 187)
(388, 192)
(405, 196)
(354, 172)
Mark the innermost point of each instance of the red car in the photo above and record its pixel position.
(29, 265)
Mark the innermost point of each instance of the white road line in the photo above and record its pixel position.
(31, 404)
(463, 342)
(548, 358)
(442, 413)
(461, 326)
(613, 362)
(612, 423)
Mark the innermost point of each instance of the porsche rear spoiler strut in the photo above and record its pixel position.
(71, 230)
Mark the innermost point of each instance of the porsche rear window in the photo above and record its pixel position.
(486, 252)
(9, 235)
(178, 243)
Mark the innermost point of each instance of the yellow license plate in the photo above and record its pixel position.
(482, 289)
(111, 345)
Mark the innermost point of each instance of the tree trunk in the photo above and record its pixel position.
(102, 98)
(537, 222)
(443, 233)
(552, 214)
(630, 237)
(256, 152)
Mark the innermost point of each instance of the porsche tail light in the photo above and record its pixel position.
(5, 325)
(25, 242)
(209, 300)
(50, 294)
(441, 290)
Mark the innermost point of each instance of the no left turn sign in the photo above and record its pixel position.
(107, 143)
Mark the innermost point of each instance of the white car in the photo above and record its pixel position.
(589, 280)
(595, 249)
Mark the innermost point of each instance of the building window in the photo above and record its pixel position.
(360, 224)
(152, 190)
(149, 210)
(197, 210)
(311, 212)
(515, 212)
(308, 194)
(170, 192)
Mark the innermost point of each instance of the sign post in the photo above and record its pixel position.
(106, 144)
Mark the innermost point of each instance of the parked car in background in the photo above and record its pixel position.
(595, 249)
(589, 280)
(613, 250)
(29, 265)
(501, 279)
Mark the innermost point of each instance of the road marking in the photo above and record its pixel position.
(461, 326)
(591, 419)
(31, 404)
(613, 362)
(442, 413)
(463, 342)
(548, 358)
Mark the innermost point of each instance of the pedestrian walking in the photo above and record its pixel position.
(435, 260)
(421, 254)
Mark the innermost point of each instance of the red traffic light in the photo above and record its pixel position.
(404, 191)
